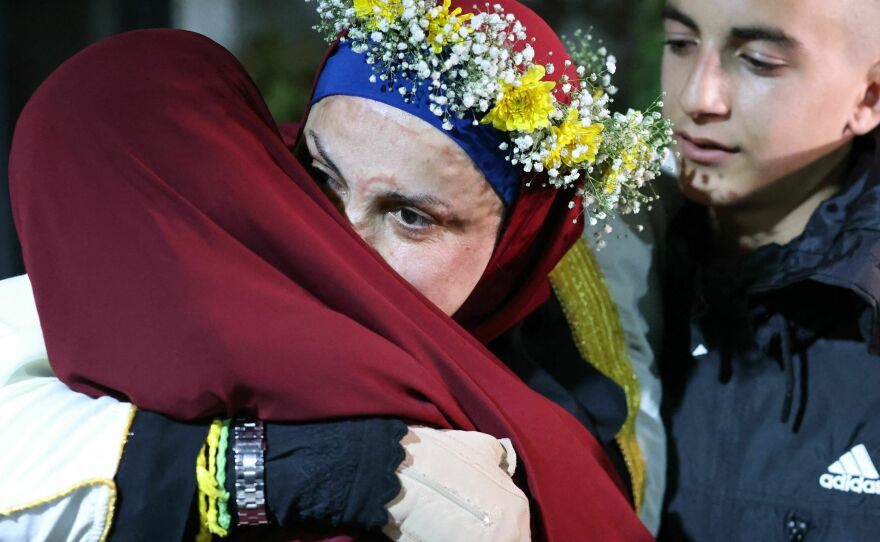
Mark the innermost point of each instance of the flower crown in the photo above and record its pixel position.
(481, 65)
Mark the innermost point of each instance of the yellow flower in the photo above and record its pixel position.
(611, 183)
(442, 30)
(526, 107)
(632, 155)
(629, 162)
(387, 10)
(572, 138)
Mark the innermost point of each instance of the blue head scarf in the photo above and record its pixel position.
(346, 73)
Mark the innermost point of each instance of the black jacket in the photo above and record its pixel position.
(772, 377)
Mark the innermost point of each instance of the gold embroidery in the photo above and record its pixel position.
(111, 503)
(61, 494)
(111, 506)
(597, 332)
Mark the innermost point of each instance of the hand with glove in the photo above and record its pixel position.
(456, 485)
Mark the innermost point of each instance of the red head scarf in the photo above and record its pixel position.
(183, 258)
(541, 227)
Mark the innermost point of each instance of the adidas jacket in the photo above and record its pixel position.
(772, 378)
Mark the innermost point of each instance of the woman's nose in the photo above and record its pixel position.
(705, 95)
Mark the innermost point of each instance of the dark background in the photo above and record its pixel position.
(274, 41)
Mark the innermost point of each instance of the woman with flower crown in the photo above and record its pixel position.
(230, 284)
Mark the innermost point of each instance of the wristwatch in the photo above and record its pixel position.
(248, 447)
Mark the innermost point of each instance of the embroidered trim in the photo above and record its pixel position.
(598, 334)
(111, 485)
(64, 493)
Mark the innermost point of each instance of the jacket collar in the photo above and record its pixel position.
(840, 246)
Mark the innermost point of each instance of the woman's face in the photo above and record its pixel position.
(409, 191)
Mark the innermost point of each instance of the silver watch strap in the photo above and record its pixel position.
(248, 447)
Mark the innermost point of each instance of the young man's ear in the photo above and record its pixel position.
(867, 114)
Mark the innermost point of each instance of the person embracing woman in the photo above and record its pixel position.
(185, 260)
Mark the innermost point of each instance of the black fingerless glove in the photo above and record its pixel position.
(338, 473)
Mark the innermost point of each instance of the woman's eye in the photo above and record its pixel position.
(326, 180)
(333, 184)
(334, 191)
(410, 218)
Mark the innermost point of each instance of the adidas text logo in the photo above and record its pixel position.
(854, 472)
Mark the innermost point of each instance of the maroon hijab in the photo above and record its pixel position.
(181, 257)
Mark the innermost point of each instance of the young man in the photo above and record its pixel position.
(770, 364)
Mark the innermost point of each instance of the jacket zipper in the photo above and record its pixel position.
(481, 516)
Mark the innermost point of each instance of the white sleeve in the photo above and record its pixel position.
(631, 266)
(60, 449)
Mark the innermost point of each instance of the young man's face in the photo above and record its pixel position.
(761, 90)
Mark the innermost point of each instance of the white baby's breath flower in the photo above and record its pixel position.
(611, 64)
(417, 35)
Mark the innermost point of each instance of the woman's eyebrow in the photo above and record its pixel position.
(323, 152)
(418, 199)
